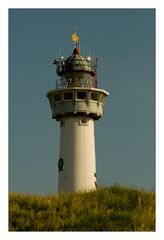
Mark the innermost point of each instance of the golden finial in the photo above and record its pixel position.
(75, 38)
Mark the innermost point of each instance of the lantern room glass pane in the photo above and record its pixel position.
(102, 98)
(81, 95)
(94, 96)
(68, 95)
(57, 97)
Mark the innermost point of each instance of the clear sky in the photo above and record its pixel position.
(124, 42)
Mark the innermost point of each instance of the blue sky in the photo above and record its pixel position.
(124, 42)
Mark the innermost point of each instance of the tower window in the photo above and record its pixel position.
(57, 97)
(68, 95)
(94, 96)
(81, 95)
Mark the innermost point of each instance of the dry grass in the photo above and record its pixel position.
(107, 209)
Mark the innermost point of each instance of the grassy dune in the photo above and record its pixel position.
(112, 208)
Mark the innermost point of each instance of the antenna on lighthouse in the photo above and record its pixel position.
(59, 52)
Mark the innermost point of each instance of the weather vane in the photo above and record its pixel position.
(75, 38)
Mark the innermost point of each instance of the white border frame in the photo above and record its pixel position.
(4, 6)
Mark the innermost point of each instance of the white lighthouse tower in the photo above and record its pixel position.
(76, 102)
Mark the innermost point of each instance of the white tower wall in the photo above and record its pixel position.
(77, 164)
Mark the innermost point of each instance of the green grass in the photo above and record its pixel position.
(112, 208)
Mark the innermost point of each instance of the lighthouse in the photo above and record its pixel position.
(76, 102)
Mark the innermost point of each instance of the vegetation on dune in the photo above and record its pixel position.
(107, 209)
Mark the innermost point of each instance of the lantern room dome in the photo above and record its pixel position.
(75, 63)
